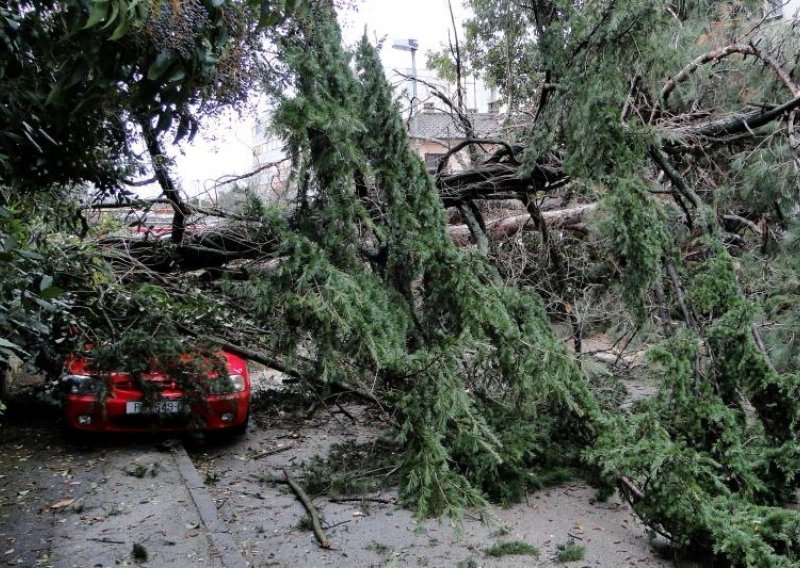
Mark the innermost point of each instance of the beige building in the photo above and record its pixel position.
(433, 132)
(786, 9)
(271, 166)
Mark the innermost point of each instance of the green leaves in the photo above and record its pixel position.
(637, 233)
(460, 358)
(160, 65)
(31, 304)
(124, 15)
(81, 74)
(98, 13)
(275, 12)
(7, 348)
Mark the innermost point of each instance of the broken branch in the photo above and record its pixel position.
(310, 509)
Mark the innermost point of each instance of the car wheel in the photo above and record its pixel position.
(241, 429)
(71, 434)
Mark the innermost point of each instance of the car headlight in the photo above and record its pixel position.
(237, 382)
(82, 384)
(227, 385)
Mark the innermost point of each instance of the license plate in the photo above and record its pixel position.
(157, 407)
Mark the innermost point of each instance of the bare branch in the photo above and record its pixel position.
(737, 122)
(505, 226)
(464, 143)
(225, 180)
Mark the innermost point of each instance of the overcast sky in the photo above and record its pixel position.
(226, 147)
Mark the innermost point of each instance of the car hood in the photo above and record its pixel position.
(81, 365)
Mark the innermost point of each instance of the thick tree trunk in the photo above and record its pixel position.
(505, 226)
(168, 186)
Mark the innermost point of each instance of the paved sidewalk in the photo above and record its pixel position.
(66, 504)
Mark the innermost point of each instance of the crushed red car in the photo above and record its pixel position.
(206, 398)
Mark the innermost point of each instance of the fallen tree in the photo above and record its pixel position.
(370, 294)
(506, 226)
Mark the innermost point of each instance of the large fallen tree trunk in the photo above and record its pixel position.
(499, 181)
(505, 226)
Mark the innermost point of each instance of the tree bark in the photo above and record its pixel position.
(505, 226)
(168, 186)
(310, 509)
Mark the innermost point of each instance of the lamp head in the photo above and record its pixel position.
(406, 44)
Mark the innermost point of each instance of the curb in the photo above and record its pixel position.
(221, 540)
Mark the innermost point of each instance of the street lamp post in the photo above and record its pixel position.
(410, 45)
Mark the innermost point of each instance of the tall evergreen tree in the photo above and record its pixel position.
(486, 396)
(482, 387)
(720, 441)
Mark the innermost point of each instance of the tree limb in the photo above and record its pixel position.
(505, 226)
(738, 122)
(487, 181)
(717, 54)
(225, 180)
(310, 509)
(678, 182)
(747, 222)
(474, 223)
(171, 191)
(464, 143)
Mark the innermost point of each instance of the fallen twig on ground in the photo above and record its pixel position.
(107, 540)
(310, 509)
(365, 500)
(345, 411)
(268, 453)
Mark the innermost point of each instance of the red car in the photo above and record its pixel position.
(157, 401)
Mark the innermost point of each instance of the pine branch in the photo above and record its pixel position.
(735, 124)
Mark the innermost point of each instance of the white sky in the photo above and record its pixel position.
(226, 147)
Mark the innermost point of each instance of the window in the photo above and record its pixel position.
(773, 9)
(432, 162)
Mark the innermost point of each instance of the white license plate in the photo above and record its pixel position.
(157, 407)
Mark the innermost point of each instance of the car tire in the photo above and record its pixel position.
(241, 429)
(72, 435)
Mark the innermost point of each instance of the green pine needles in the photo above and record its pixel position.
(372, 294)
(481, 388)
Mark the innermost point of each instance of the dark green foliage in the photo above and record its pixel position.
(719, 442)
(713, 288)
(570, 552)
(489, 403)
(459, 356)
(774, 396)
(512, 548)
(638, 238)
(772, 282)
(34, 311)
(343, 471)
(763, 177)
(80, 76)
(460, 303)
(139, 552)
(705, 462)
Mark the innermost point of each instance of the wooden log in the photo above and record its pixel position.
(505, 226)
